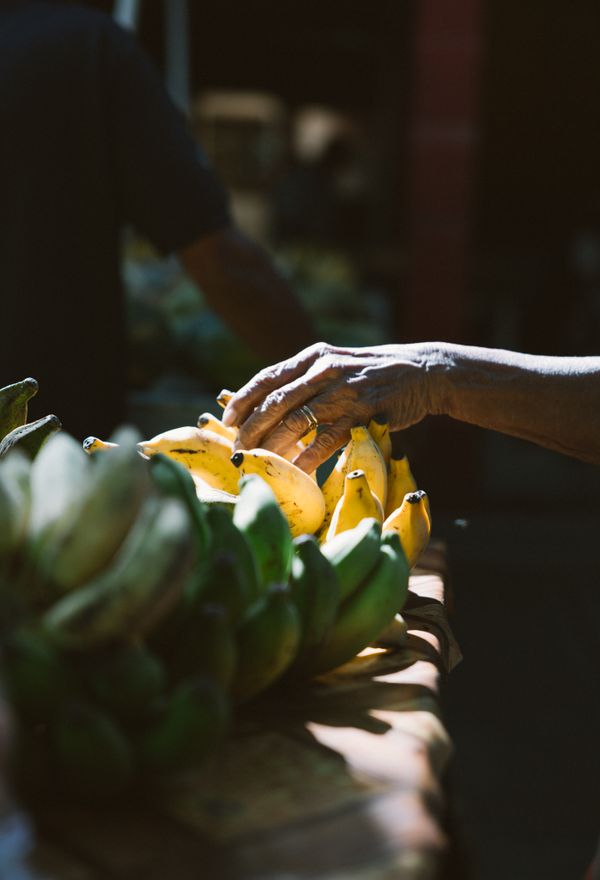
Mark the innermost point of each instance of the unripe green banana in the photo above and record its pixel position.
(92, 754)
(365, 614)
(353, 554)
(266, 643)
(14, 400)
(29, 438)
(14, 505)
(137, 590)
(224, 583)
(193, 722)
(175, 481)
(87, 535)
(37, 677)
(258, 515)
(315, 591)
(60, 475)
(204, 645)
(227, 537)
(126, 680)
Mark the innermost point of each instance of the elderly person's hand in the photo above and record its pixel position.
(551, 401)
(340, 388)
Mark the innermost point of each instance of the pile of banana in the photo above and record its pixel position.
(149, 588)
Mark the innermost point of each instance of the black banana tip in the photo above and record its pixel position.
(416, 497)
(237, 458)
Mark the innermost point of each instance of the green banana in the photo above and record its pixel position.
(258, 515)
(365, 614)
(224, 583)
(175, 481)
(59, 476)
(15, 502)
(92, 754)
(126, 680)
(11, 518)
(226, 537)
(190, 726)
(266, 643)
(29, 438)
(137, 590)
(204, 645)
(315, 591)
(14, 400)
(392, 539)
(36, 675)
(87, 535)
(353, 554)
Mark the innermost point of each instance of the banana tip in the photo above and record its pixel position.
(237, 458)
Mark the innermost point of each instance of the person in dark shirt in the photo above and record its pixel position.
(90, 142)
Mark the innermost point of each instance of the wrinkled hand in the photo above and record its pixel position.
(343, 387)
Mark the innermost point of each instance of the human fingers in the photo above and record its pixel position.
(251, 395)
(279, 405)
(325, 445)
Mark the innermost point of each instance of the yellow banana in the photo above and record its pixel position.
(308, 438)
(332, 489)
(205, 454)
(94, 444)
(364, 454)
(412, 524)
(400, 483)
(296, 492)
(210, 495)
(357, 503)
(379, 430)
(295, 450)
(223, 397)
(210, 422)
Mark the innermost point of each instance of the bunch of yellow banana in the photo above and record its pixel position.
(366, 481)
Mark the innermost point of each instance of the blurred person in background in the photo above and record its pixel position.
(91, 143)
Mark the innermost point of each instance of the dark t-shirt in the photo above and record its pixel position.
(89, 142)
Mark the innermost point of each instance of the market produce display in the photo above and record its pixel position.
(148, 588)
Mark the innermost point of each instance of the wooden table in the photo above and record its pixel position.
(340, 779)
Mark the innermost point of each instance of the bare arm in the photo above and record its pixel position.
(552, 401)
(243, 287)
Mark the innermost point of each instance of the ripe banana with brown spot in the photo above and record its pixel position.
(298, 495)
(357, 503)
(412, 524)
(205, 454)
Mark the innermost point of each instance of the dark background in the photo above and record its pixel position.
(481, 223)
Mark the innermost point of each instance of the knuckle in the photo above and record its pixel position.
(274, 400)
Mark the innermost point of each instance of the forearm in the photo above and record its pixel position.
(243, 287)
(551, 401)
